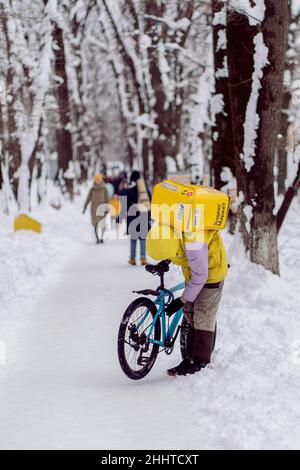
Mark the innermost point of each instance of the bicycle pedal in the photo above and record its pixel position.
(143, 361)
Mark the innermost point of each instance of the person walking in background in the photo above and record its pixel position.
(123, 193)
(109, 187)
(98, 196)
(138, 216)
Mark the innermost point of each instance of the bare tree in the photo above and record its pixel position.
(25, 81)
(152, 45)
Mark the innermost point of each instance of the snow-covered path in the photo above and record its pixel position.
(62, 386)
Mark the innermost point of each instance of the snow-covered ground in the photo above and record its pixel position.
(62, 298)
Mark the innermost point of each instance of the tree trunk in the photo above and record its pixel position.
(222, 150)
(10, 143)
(81, 147)
(282, 150)
(146, 158)
(240, 51)
(288, 199)
(282, 143)
(1, 144)
(161, 138)
(256, 174)
(63, 135)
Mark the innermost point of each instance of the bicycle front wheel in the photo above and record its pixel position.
(137, 354)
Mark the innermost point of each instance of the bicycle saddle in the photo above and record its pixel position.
(158, 269)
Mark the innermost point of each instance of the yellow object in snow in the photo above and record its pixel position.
(189, 208)
(24, 222)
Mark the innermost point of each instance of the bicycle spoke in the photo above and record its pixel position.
(133, 355)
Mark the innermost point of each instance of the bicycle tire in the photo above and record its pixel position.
(185, 325)
(140, 303)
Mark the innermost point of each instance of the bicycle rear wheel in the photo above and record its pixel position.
(184, 333)
(136, 354)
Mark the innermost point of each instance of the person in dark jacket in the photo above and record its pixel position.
(138, 216)
(97, 197)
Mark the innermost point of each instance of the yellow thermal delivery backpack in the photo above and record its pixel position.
(188, 213)
(189, 208)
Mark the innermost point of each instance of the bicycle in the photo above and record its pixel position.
(146, 327)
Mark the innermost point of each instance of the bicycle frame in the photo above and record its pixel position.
(161, 302)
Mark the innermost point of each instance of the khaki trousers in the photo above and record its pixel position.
(202, 313)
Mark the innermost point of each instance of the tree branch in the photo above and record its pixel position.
(127, 58)
(171, 24)
(288, 199)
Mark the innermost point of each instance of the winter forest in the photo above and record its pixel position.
(207, 90)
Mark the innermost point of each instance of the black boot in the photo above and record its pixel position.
(189, 331)
(203, 345)
(201, 353)
(186, 367)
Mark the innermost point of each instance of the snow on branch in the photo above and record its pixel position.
(128, 49)
(29, 139)
(146, 121)
(177, 48)
(256, 13)
(183, 24)
(165, 69)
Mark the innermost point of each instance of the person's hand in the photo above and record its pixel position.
(174, 306)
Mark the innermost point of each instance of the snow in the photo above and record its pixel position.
(248, 211)
(165, 69)
(222, 40)
(295, 7)
(219, 18)
(170, 165)
(255, 13)
(252, 118)
(215, 136)
(30, 260)
(145, 120)
(226, 174)
(145, 41)
(222, 72)
(217, 104)
(61, 387)
(182, 24)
